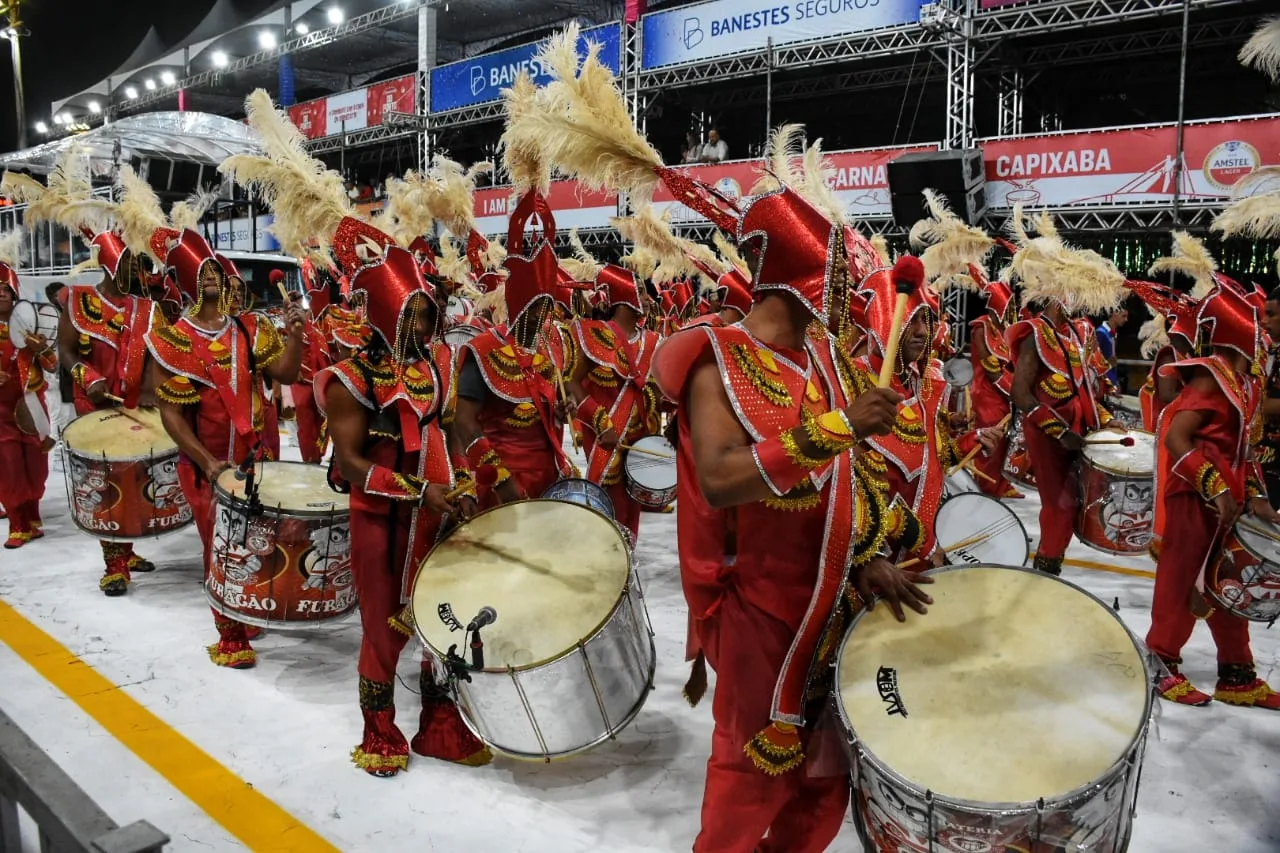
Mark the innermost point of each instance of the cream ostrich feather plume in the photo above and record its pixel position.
(641, 261)
(451, 263)
(522, 156)
(784, 147)
(407, 213)
(581, 124)
(652, 234)
(307, 198)
(454, 205)
(881, 246)
(67, 198)
(1256, 209)
(949, 245)
(1262, 50)
(495, 302)
(1153, 335)
(729, 253)
(581, 265)
(139, 214)
(1081, 279)
(1192, 259)
(11, 247)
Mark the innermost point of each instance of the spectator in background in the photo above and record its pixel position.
(715, 151)
(1107, 343)
(692, 148)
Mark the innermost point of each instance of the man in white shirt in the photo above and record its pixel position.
(715, 151)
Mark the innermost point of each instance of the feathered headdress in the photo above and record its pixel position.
(407, 215)
(1255, 212)
(1191, 258)
(581, 265)
(1080, 279)
(11, 258)
(1153, 335)
(1262, 50)
(949, 245)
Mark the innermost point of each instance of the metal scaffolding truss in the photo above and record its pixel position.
(891, 41)
(376, 135)
(1201, 34)
(823, 84)
(491, 111)
(318, 38)
(1025, 19)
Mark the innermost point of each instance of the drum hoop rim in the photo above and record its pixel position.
(99, 456)
(1138, 739)
(623, 594)
(279, 510)
(1129, 475)
(599, 490)
(626, 462)
(997, 501)
(1245, 545)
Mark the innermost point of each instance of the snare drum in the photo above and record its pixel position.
(1117, 494)
(576, 490)
(959, 482)
(962, 736)
(569, 660)
(1246, 579)
(1127, 410)
(456, 336)
(459, 310)
(31, 319)
(283, 559)
(121, 471)
(650, 472)
(986, 530)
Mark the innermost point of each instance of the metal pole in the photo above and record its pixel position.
(19, 100)
(768, 89)
(1182, 103)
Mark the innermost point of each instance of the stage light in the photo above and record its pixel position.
(267, 40)
(41, 127)
(219, 59)
(335, 15)
(167, 78)
(302, 29)
(150, 84)
(95, 107)
(131, 92)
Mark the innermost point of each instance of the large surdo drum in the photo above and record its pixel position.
(1117, 494)
(569, 660)
(1013, 717)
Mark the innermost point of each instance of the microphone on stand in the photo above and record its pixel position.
(486, 616)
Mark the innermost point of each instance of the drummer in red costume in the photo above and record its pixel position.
(102, 341)
(209, 369)
(25, 440)
(610, 385)
(1206, 481)
(1051, 383)
(315, 357)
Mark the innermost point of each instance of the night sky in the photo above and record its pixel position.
(75, 43)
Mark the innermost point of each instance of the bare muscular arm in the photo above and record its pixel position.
(1024, 377)
(175, 423)
(348, 427)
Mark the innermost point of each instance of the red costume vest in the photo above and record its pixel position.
(1062, 379)
(113, 339)
(619, 382)
(23, 376)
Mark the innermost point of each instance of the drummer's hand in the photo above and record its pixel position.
(37, 343)
(434, 498)
(881, 577)
(874, 412)
(214, 469)
(1263, 510)
(989, 439)
(608, 439)
(465, 507)
(295, 318)
(937, 559)
(509, 492)
(564, 411)
(960, 421)
(1117, 425)
(47, 444)
(97, 392)
(1071, 440)
(1228, 509)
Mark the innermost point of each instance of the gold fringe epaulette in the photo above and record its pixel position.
(775, 750)
(756, 367)
(373, 761)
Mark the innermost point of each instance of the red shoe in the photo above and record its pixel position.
(16, 540)
(233, 654)
(442, 734)
(1238, 684)
(383, 751)
(1176, 688)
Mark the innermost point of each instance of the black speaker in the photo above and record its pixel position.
(956, 176)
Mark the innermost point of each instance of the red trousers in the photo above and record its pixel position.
(1188, 536)
(378, 546)
(1056, 479)
(25, 468)
(199, 494)
(625, 510)
(309, 420)
(800, 814)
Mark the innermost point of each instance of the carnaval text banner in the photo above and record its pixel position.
(722, 27)
(858, 177)
(572, 205)
(481, 79)
(1128, 166)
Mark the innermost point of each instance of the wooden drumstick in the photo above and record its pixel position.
(631, 448)
(963, 543)
(907, 276)
(458, 492)
(1127, 441)
(969, 457)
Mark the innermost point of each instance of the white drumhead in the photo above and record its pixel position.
(960, 482)
(289, 486)
(119, 434)
(460, 334)
(553, 571)
(653, 472)
(1015, 686)
(1136, 461)
(1262, 538)
(967, 516)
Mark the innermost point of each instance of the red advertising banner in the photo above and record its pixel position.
(359, 108)
(858, 177)
(572, 205)
(1128, 165)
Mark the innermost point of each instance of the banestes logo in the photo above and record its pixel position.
(693, 34)
(478, 81)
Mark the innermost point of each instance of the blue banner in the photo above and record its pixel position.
(721, 27)
(481, 79)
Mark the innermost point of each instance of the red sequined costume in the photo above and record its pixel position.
(1219, 461)
(992, 388)
(216, 378)
(111, 352)
(1065, 402)
(24, 457)
(409, 408)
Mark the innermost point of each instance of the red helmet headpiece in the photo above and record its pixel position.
(1181, 312)
(881, 288)
(736, 288)
(797, 245)
(1231, 320)
(534, 277)
(425, 255)
(9, 279)
(188, 259)
(618, 286)
(999, 294)
(389, 280)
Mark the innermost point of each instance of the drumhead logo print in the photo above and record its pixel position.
(445, 612)
(887, 684)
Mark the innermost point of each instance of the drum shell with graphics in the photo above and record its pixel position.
(121, 471)
(285, 562)
(961, 737)
(650, 472)
(1246, 579)
(1117, 495)
(1017, 462)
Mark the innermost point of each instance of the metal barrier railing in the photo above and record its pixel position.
(67, 819)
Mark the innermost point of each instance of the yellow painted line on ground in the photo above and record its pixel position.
(1108, 567)
(252, 818)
